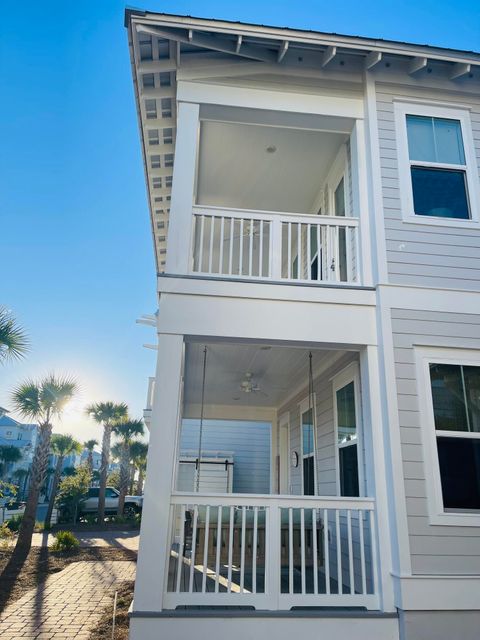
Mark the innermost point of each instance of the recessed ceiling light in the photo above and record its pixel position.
(271, 149)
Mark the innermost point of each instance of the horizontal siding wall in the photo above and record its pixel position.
(424, 255)
(434, 549)
(247, 442)
(326, 474)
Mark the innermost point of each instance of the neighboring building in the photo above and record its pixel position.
(315, 208)
(96, 459)
(17, 434)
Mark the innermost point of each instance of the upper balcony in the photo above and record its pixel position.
(271, 202)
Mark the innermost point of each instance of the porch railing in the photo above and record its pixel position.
(275, 246)
(271, 552)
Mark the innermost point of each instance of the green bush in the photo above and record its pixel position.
(14, 523)
(65, 541)
(6, 536)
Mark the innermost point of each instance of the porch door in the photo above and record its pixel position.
(308, 453)
(347, 416)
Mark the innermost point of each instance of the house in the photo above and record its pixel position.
(314, 203)
(20, 435)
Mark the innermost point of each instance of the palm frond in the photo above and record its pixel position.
(64, 444)
(90, 444)
(126, 429)
(26, 400)
(107, 412)
(14, 342)
(56, 391)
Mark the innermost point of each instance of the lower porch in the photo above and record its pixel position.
(272, 506)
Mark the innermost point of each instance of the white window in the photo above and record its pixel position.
(437, 165)
(449, 384)
(347, 416)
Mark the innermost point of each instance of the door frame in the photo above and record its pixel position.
(351, 373)
(284, 468)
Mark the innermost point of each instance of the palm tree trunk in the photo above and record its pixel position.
(90, 461)
(37, 475)
(107, 435)
(53, 493)
(132, 478)
(124, 478)
(140, 482)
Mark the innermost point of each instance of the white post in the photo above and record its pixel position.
(375, 471)
(360, 201)
(276, 249)
(154, 543)
(180, 224)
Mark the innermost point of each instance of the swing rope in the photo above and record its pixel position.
(311, 411)
(200, 436)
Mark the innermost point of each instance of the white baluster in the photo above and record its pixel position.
(205, 548)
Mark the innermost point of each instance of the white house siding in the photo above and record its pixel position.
(424, 255)
(247, 442)
(434, 549)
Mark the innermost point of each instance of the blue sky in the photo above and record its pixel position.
(76, 251)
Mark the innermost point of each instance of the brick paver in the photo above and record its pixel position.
(68, 604)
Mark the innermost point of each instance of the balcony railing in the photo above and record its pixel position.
(271, 552)
(275, 246)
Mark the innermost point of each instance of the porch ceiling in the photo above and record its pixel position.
(263, 167)
(277, 371)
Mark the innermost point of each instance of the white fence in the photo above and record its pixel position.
(271, 552)
(291, 247)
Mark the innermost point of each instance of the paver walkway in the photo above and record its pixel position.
(105, 539)
(68, 604)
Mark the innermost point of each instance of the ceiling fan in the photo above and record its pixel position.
(247, 385)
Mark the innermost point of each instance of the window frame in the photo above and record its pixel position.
(401, 110)
(351, 373)
(304, 406)
(424, 357)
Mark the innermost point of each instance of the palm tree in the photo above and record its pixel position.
(62, 445)
(124, 431)
(89, 445)
(41, 401)
(106, 413)
(138, 455)
(13, 339)
(9, 454)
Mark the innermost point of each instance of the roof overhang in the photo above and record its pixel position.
(164, 44)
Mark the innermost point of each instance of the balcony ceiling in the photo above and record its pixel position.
(261, 167)
(277, 370)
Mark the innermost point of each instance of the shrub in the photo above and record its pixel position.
(14, 523)
(65, 541)
(6, 536)
(72, 493)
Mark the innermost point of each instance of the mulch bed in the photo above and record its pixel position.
(103, 631)
(15, 581)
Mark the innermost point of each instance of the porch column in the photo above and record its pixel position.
(376, 476)
(360, 198)
(183, 186)
(154, 543)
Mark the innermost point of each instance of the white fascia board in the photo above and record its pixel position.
(332, 325)
(204, 93)
(266, 291)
